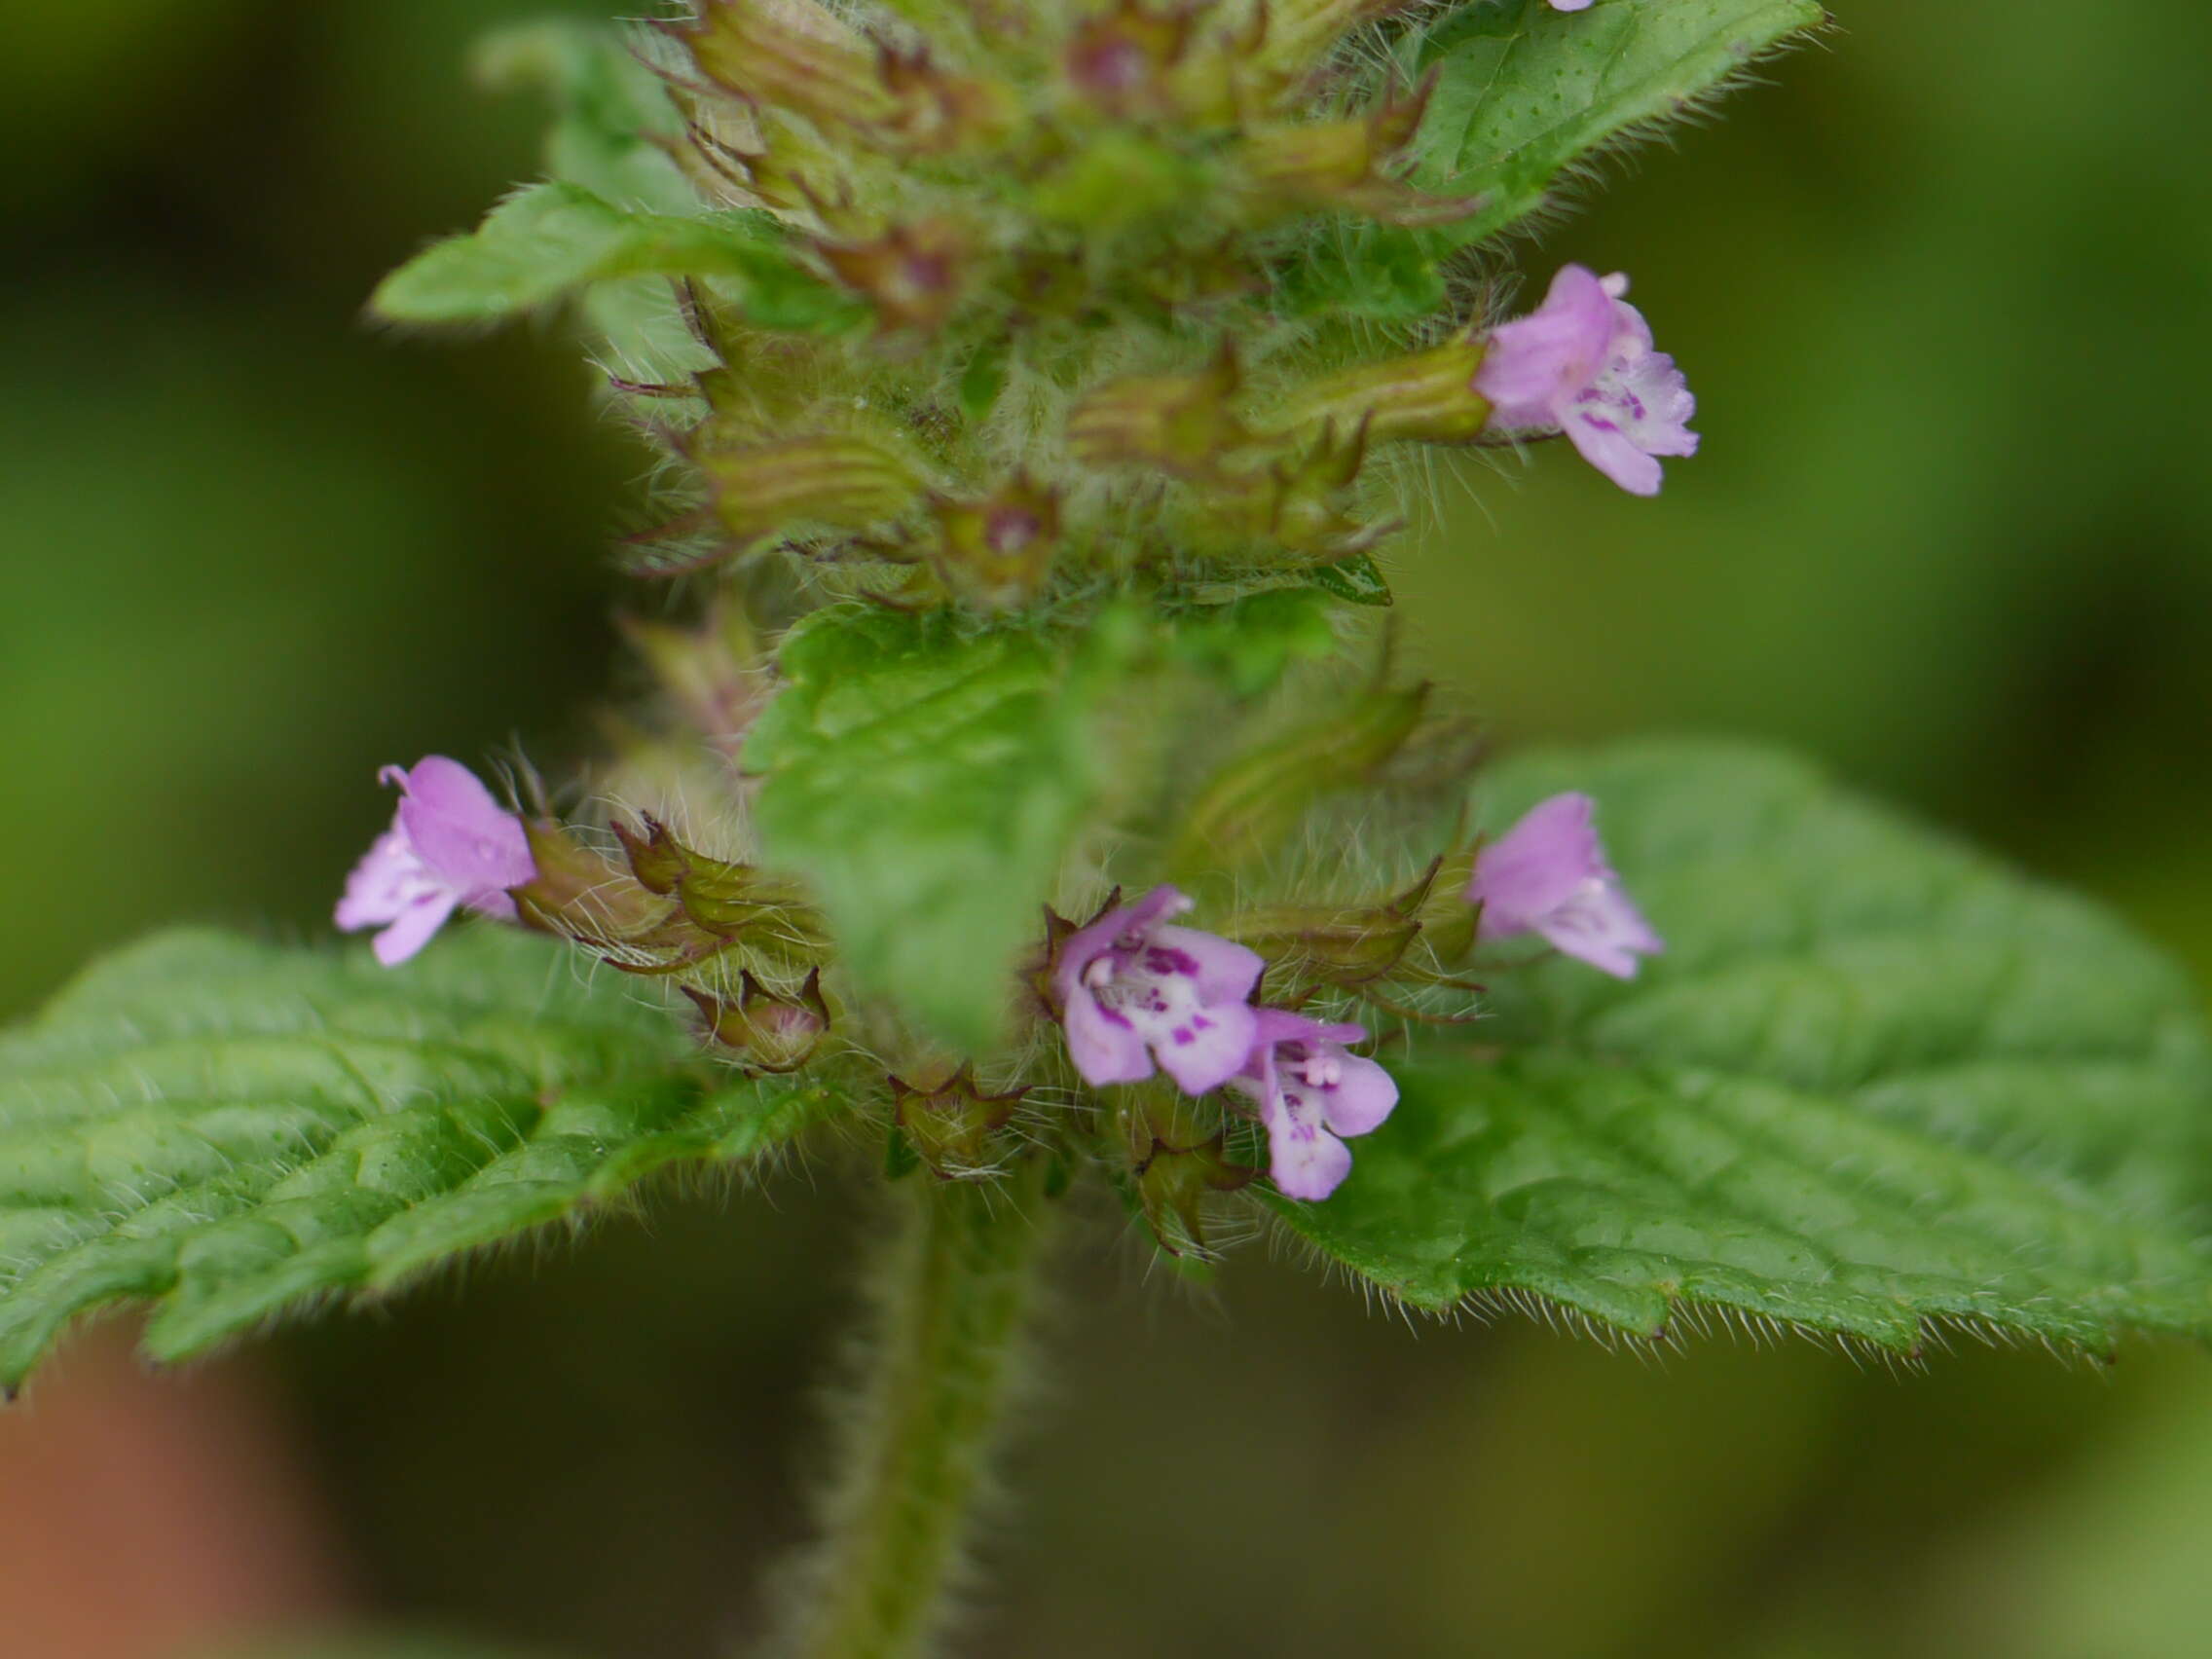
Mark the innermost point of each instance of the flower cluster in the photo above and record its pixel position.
(1133, 990)
(938, 186)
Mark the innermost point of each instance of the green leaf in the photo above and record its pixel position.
(231, 1129)
(610, 109)
(551, 239)
(1250, 644)
(1877, 1083)
(928, 782)
(1525, 91)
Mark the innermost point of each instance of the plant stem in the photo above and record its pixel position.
(951, 1291)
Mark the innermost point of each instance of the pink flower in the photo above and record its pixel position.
(1582, 363)
(1311, 1093)
(450, 844)
(1131, 987)
(1548, 875)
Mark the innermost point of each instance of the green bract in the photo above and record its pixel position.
(1877, 1084)
(929, 782)
(230, 1129)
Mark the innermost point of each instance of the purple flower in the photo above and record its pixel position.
(1570, 5)
(450, 844)
(1309, 1093)
(1131, 987)
(1548, 875)
(1582, 363)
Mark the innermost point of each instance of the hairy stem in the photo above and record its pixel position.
(954, 1284)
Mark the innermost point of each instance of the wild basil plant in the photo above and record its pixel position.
(1031, 809)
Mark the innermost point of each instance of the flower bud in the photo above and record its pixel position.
(1299, 503)
(579, 894)
(936, 112)
(1185, 424)
(790, 55)
(913, 275)
(1428, 397)
(838, 481)
(774, 1033)
(955, 1127)
(1307, 947)
(1256, 800)
(1123, 60)
(997, 552)
(1344, 165)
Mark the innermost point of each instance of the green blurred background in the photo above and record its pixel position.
(1944, 289)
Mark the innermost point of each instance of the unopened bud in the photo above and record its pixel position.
(775, 1033)
(1299, 33)
(1428, 397)
(1185, 424)
(1347, 165)
(1312, 945)
(1121, 61)
(954, 1127)
(1256, 800)
(936, 111)
(578, 892)
(1299, 503)
(833, 480)
(790, 55)
(913, 275)
(996, 552)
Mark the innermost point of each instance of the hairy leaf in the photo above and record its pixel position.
(929, 783)
(551, 239)
(1523, 91)
(610, 110)
(230, 1129)
(1877, 1082)
(1250, 644)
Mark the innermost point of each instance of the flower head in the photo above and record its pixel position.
(1548, 875)
(1131, 987)
(1311, 1093)
(450, 845)
(1582, 363)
